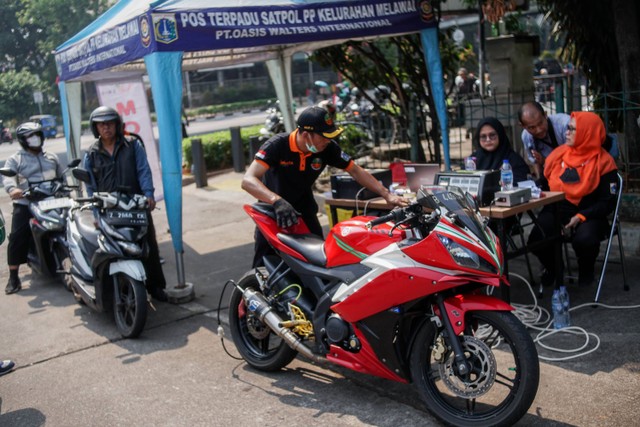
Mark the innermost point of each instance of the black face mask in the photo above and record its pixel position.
(570, 176)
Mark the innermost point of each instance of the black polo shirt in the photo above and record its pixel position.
(291, 173)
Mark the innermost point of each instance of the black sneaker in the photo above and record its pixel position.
(159, 295)
(13, 286)
(6, 366)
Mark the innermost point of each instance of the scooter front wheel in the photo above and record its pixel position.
(503, 377)
(130, 305)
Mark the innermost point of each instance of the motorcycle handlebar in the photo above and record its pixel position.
(394, 215)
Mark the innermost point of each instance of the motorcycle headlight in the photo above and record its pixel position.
(47, 221)
(465, 257)
(110, 230)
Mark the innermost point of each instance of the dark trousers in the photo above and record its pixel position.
(262, 247)
(585, 241)
(152, 266)
(20, 239)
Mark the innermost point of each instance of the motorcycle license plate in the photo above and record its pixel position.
(59, 203)
(130, 218)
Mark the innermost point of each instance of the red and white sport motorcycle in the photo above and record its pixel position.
(403, 297)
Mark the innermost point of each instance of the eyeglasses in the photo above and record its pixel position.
(488, 137)
(571, 129)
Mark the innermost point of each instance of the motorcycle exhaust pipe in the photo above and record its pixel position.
(257, 304)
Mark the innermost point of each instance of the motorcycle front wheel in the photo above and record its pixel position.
(64, 261)
(259, 346)
(504, 371)
(129, 306)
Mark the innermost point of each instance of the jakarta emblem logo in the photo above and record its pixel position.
(165, 28)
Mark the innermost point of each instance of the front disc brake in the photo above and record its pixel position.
(481, 376)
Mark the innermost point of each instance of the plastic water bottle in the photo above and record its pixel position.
(560, 308)
(564, 299)
(470, 164)
(506, 176)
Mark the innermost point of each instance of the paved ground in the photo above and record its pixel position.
(73, 369)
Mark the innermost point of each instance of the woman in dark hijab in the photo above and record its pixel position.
(493, 146)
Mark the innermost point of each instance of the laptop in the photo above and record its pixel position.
(419, 174)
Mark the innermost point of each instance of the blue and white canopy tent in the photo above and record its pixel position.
(165, 37)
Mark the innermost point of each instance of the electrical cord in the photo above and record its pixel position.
(539, 319)
(357, 199)
(220, 328)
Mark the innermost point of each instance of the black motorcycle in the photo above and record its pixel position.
(49, 203)
(274, 123)
(106, 235)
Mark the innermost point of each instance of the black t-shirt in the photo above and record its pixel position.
(292, 173)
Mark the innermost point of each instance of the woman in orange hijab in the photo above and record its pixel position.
(587, 175)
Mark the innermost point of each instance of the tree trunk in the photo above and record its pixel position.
(625, 14)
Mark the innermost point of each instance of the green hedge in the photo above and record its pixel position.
(217, 147)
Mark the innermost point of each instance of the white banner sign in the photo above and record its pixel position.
(128, 97)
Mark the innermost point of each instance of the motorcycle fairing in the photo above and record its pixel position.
(351, 241)
(264, 217)
(130, 267)
(457, 306)
(364, 361)
(393, 288)
(438, 256)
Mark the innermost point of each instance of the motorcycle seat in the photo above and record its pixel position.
(86, 226)
(308, 245)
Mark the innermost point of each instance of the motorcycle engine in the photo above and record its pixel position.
(337, 329)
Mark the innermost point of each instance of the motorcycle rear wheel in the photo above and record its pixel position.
(259, 346)
(129, 305)
(504, 371)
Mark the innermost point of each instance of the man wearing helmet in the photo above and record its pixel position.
(114, 161)
(30, 163)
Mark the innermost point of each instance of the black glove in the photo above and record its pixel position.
(285, 213)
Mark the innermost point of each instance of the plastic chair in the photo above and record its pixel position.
(615, 229)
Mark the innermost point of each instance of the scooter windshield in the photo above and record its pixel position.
(454, 204)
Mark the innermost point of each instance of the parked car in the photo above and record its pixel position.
(48, 123)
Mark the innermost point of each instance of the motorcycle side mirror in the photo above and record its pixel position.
(7, 172)
(74, 163)
(81, 174)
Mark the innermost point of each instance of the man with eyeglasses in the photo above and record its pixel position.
(542, 133)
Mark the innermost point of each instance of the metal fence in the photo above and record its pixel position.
(556, 93)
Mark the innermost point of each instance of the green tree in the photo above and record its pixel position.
(31, 30)
(603, 40)
(16, 93)
(398, 63)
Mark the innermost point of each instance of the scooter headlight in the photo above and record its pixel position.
(465, 257)
(130, 248)
(47, 221)
(110, 230)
